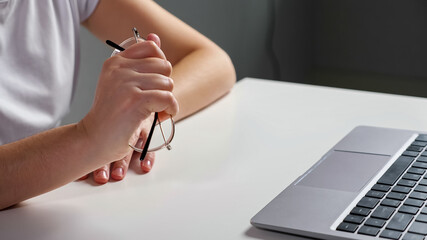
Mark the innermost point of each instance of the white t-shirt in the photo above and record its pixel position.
(39, 59)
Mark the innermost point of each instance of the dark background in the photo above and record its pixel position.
(368, 45)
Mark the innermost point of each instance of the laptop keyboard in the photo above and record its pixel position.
(395, 207)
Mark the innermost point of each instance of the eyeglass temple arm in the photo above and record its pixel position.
(147, 142)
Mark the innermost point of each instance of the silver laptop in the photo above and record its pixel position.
(371, 185)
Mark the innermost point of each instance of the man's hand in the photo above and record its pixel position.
(118, 169)
(133, 84)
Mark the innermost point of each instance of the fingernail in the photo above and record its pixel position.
(146, 165)
(102, 174)
(139, 143)
(118, 172)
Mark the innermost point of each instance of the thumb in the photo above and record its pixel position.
(153, 37)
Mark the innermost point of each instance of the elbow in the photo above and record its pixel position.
(230, 71)
(226, 70)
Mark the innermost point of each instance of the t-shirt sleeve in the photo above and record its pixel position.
(86, 8)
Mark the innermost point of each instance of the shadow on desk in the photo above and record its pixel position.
(256, 233)
(44, 221)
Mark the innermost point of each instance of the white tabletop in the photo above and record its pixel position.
(227, 162)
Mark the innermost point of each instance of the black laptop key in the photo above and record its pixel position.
(421, 137)
(421, 218)
(407, 183)
(396, 170)
(371, 231)
(411, 236)
(419, 228)
(400, 221)
(418, 171)
(390, 234)
(383, 212)
(424, 153)
(354, 219)
(396, 196)
(382, 188)
(423, 182)
(422, 165)
(410, 176)
(421, 188)
(360, 211)
(347, 227)
(410, 153)
(422, 159)
(375, 194)
(414, 148)
(368, 202)
(401, 189)
(408, 209)
(419, 143)
(390, 203)
(418, 195)
(414, 202)
(375, 222)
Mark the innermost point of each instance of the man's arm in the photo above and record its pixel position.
(131, 86)
(43, 162)
(202, 72)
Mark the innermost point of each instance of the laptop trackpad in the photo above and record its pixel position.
(344, 171)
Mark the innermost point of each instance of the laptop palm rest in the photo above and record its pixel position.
(312, 203)
(344, 171)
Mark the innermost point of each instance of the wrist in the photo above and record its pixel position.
(102, 141)
(87, 144)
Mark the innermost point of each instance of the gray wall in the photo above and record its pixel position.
(93, 53)
(372, 45)
(243, 28)
(293, 35)
(380, 36)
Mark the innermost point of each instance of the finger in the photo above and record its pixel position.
(101, 175)
(149, 65)
(164, 116)
(119, 168)
(157, 101)
(153, 37)
(152, 81)
(83, 177)
(148, 162)
(143, 49)
(135, 162)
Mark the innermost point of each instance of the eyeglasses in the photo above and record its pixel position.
(157, 138)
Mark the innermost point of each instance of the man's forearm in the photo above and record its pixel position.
(201, 70)
(43, 162)
(200, 78)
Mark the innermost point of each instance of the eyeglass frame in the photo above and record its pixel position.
(167, 145)
(144, 150)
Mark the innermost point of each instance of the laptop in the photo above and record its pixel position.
(371, 185)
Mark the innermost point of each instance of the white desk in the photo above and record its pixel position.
(227, 162)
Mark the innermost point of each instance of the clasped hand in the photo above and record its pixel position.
(132, 85)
